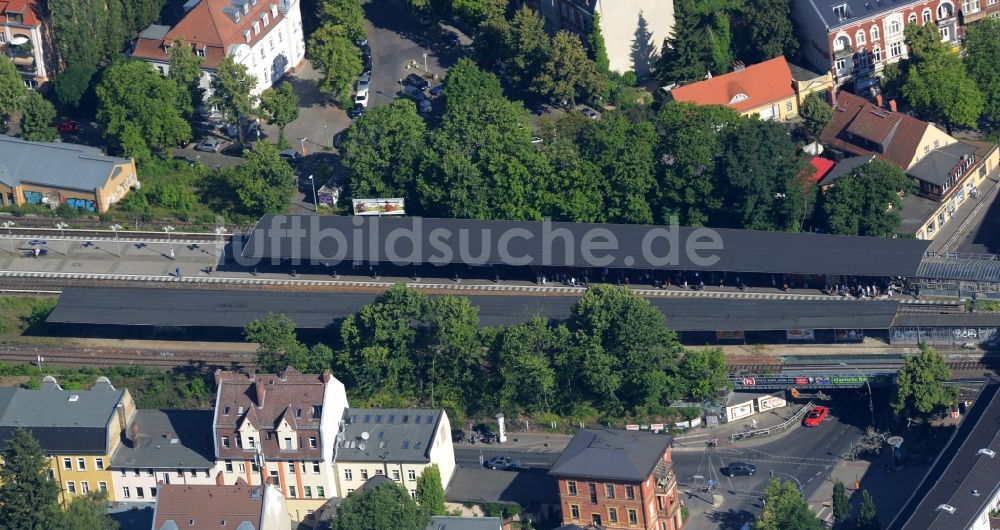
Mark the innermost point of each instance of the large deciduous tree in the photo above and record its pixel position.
(87, 512)
(936, 84)
(383, 149)
(338, 59)
(568, 74)
(12, 92)
(785, 509)
(73, 83)
(623, 153)
(138, 109)
(817, 113)
(264, 183)
(529, 45)
(769, 30)
(982, 61)
(868, 201)
(232, 92)
(185, 70)
(280, 107)
(28, 497)
(920, 387)
(387, 505)
(36, 119)
(278, 344)
(345, 16)
(704, 372)
(523, 353)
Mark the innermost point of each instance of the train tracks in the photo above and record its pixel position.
(775, 366)
(162, 359)
(75, 234)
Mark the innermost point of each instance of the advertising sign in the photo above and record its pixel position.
(770, 402)
(379, 206)
(730, 335)
(801, 335)
(849, 335)
(632, 427)
(740, 410)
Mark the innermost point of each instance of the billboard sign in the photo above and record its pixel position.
(380, 206)
(801, 335)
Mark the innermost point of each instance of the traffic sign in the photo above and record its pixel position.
(749, 381)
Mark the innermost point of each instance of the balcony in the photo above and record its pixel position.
(22, 53)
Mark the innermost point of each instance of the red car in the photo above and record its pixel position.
(67, 127)
(816, 416)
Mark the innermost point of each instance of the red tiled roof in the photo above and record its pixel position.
(205, 507)
(762, 83)
(859, 127)
(266, 399)
(152, 49)
(27, 8)
(822, 165)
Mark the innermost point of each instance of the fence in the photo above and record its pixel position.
(775, 428)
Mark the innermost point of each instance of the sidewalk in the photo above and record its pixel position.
(696, 441)
(890, 490)
(524, 441)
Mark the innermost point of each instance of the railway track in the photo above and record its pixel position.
(75, 234)
(106, 357)
(98, 225)
(775, 366)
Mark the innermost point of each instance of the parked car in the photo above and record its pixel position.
(68, 126)
(503, 462)
(237, 149)
(364, 82)
(338, 139)
(590, 113)
(458, 435)
(452, 39)
(289, 155)
(424, 107)
(537, 140)
(735, 469)
(361, 98)
(355, 111)
(816, 416)
(413, 93)
(436, 91)
(209, 145)
(417, 81)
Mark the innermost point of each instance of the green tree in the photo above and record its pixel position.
(280, 107)
(785, 509)
(522, 364)
(185, 70)
(450, 354)
(264, 183)
(936, 84)
(700, 42)
(690, 145)
(383, 149)
(920, 388)
(867, 514)
(138, 109)
(841, 504)
(529, 45)
(475, 12)
(278, 344)
(596, 48)
(232, 92)
(387, 505)
(758, 167)
(868, 201)
(73, 83)
(338, 59)
(491, 43)
(817, 114)
(345, 16)
(704, 372)
(575, 188)
(87, 512)
(28, 497)
(770, 30)
(12, 92)
(36, 119)
(623, 153)
(982, 60)
(568, 74)
(430, 492)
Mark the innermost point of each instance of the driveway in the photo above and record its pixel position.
(399, 42)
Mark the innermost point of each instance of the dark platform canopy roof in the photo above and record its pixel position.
(235, 309)
(414, 240)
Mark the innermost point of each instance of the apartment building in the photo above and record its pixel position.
(211, 507)
(21, 32)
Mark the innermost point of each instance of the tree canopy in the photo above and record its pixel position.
(770, 31)
(280, 107)
(935, 81)
(817, 114)
(785, 509)
(28, 497)
(383, 149)
(185, 70)
(338, 59)
(264, 183)
(430, 492)
(73, 83)
(36, 119)
(868, 201)
(387, 505)
(982, 60)
(232, 92)
(867, 513)
(920, 388)
(12, 91)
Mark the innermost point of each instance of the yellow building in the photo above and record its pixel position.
(54, 173)
(766, 89)
(78, 429)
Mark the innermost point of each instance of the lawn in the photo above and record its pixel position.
(18, 313)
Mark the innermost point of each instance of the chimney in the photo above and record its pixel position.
(219, 479)
(892, 105)
(878, 100)
(327, 376)
(259, 390)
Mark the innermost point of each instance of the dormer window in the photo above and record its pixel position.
(200, 52)
(239, 410)
(274, 11)
(246, 8)
(841, 12)
(256, 28)
(738, 98)
(236, 16)
(246, 35)
(266, 19)
(225, 410)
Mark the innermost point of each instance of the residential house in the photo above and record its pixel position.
(281, 427)
(55, 173)
(633, 30)
(79, 430)
(263, 35)
(855, 39)
(163, 447)
(21, 31)
(807, 82)
(973, 10)
(211, 507)
(396, 443)
(616, 479)
(765, 89)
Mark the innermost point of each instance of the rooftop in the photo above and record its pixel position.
(964, 477)
(743, 90)
(28, 9)
(393, 435)
(916, 210)
(844, 167)
(209, 507)
(629, 456)
(861, 128)
(833, 15)
(937, 166)
(175, 439)
(56, 164)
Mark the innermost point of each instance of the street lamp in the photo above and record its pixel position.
(219, 230)
(116, 228)
(773, 473)
(170, 245)
(302, 145)
(871, 404)
(315, 203)
(425, 62)
(62, 234)
(8, 225)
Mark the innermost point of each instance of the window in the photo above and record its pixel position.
(140, 493)
(633, 517)
(877, 54)
(912, 19)
(274, 11)
(150, 473)
(251, 442)
(200, 52)
(291, 467)
(970, 6)
(574, 512)
(267, 21)
(874, 33)
(893, 27)
(152, 492)
(262, 53)
(395, 475)
(612, 515)
(788, 106)
(364, 474)
(411, 475)
(413, 494)
(945, 11)
(246, 8)
(71, 487)
(291, 492)
(316, 467)
(242, 467)
(271, 42)
(896, 49)
(630, 493)
(225, 410)
(926, 16)
(246, 37)
(135, 472)
(945, 33)
(571, 487)
(3, 38)
(307, 492)
(937, 143)
(99, 464)
(102, 486)
(926, 149)
(256, 28)
(842, 43)
(288, 444)
(312, 442)
(320, 493)
(860, 37)
(225, 441)
(126, 492)
(841, 64)
(841, 12)
(609, 491)
(379, 472)
(229, 466)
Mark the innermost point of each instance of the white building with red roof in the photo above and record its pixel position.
(21, 33)
(264, 35)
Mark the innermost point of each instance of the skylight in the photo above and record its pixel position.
(739, 97)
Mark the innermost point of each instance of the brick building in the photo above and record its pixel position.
(618, 480)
